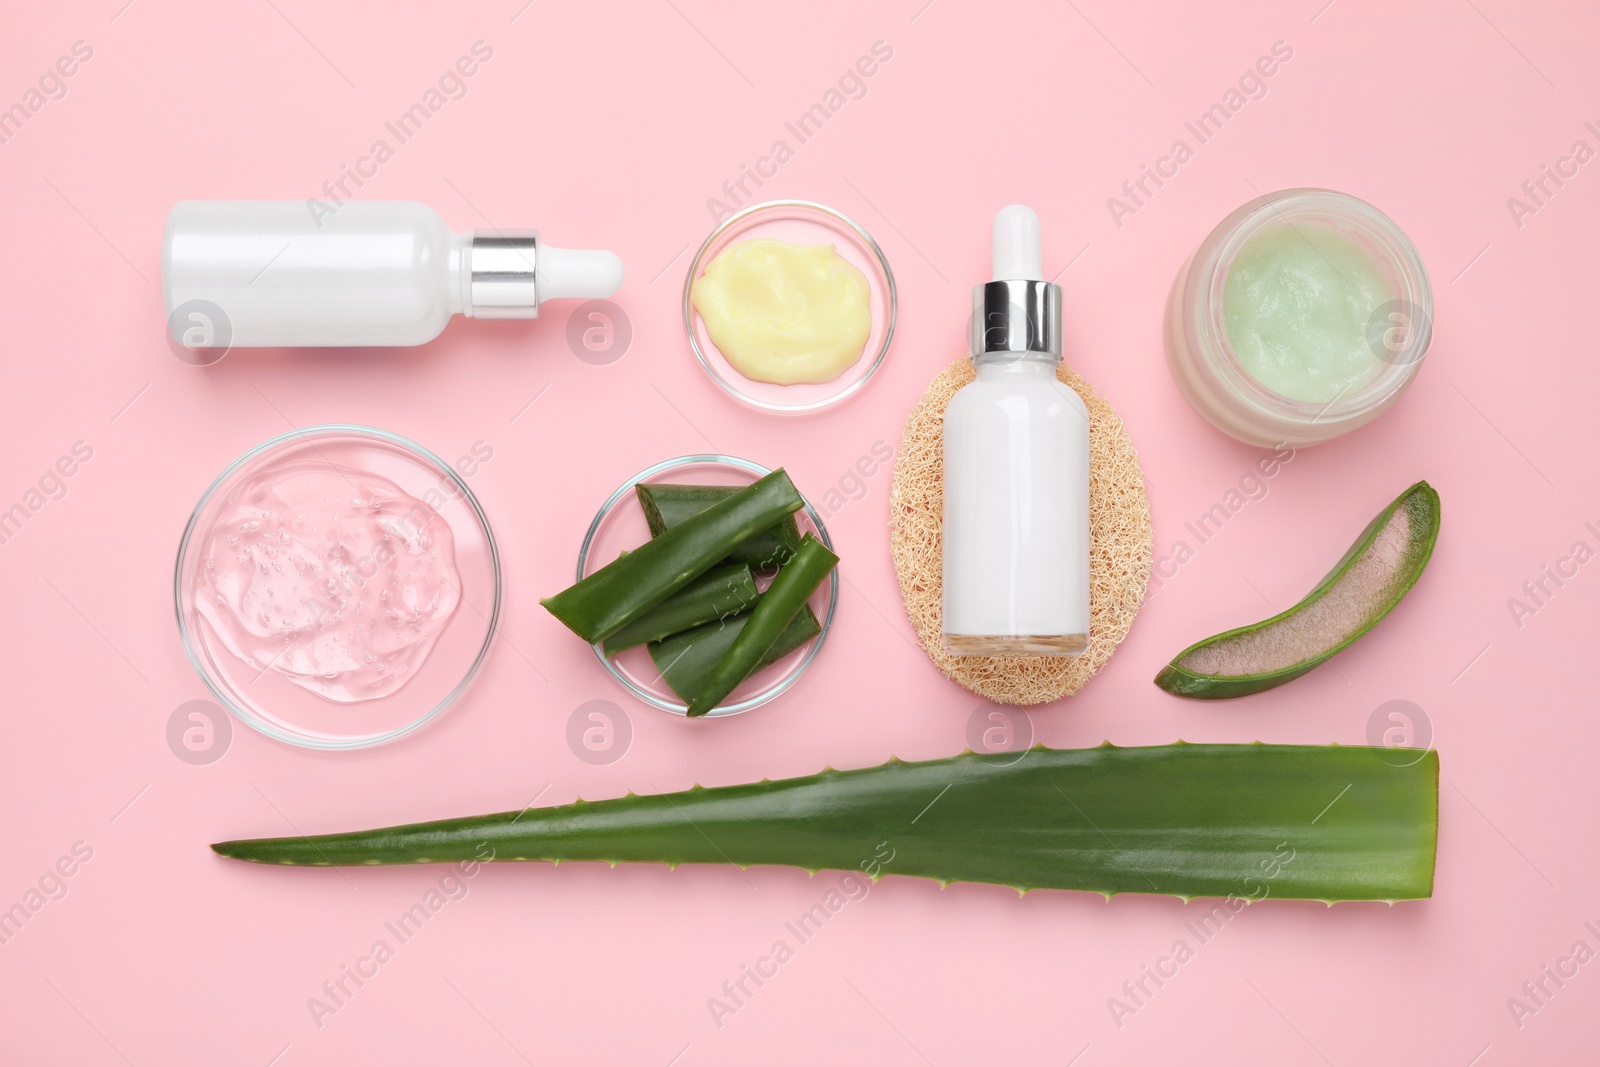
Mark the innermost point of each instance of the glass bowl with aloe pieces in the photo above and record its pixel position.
(658, 671)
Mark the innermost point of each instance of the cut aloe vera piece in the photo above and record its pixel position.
(1380, 568)
(719, 593)
(779, 605)
(1241, 821)
(621, 591)
(668, 504)
(688, 660)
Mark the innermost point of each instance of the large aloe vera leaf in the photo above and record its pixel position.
(1312, 822)
(1364, 586)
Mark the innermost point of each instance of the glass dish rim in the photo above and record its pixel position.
(784, 684)
(372, 740)
(1412, 275)
(866, 241)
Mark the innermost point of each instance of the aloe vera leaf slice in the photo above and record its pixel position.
(1371, 578)
(1312, 822)
(667, 504)
(717, 594)
(777, 608)
(686, 660)
(618, 593)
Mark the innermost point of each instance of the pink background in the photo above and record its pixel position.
(610, 125)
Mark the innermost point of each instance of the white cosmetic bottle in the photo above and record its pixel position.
(267, 273)
(1016, 470)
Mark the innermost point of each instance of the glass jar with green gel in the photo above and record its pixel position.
(1302, 316)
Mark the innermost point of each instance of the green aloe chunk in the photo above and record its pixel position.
(717, 594)
(666, 505)
(1244, 821)
(688, 659)
(779, 605)
(623, 590)
(1377, 571)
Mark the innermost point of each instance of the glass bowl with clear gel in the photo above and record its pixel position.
(1303, 315)
(620, 526)
(338, 587)
(797, 222)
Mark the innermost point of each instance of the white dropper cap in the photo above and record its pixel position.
(1017, 312)
(1017, 245)
(577, 272)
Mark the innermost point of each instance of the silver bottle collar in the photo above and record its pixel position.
(1016, 316)
(503, 280)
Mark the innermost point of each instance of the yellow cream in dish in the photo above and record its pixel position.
(785, 313)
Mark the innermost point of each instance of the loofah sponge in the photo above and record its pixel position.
(1119, 547)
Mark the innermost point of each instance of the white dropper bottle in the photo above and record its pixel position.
(267, 273)
(1016, 470)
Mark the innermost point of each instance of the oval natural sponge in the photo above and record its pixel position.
(1119, 547)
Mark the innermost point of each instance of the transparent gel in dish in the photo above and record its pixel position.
(336, 579)
(317, 546)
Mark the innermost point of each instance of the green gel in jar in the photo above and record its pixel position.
(1298, 303)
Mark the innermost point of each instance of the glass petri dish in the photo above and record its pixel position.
(620, 526)
(808, 223)
(266, 699)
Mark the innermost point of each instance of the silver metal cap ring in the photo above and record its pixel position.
(1022, 315)
(503, 281)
